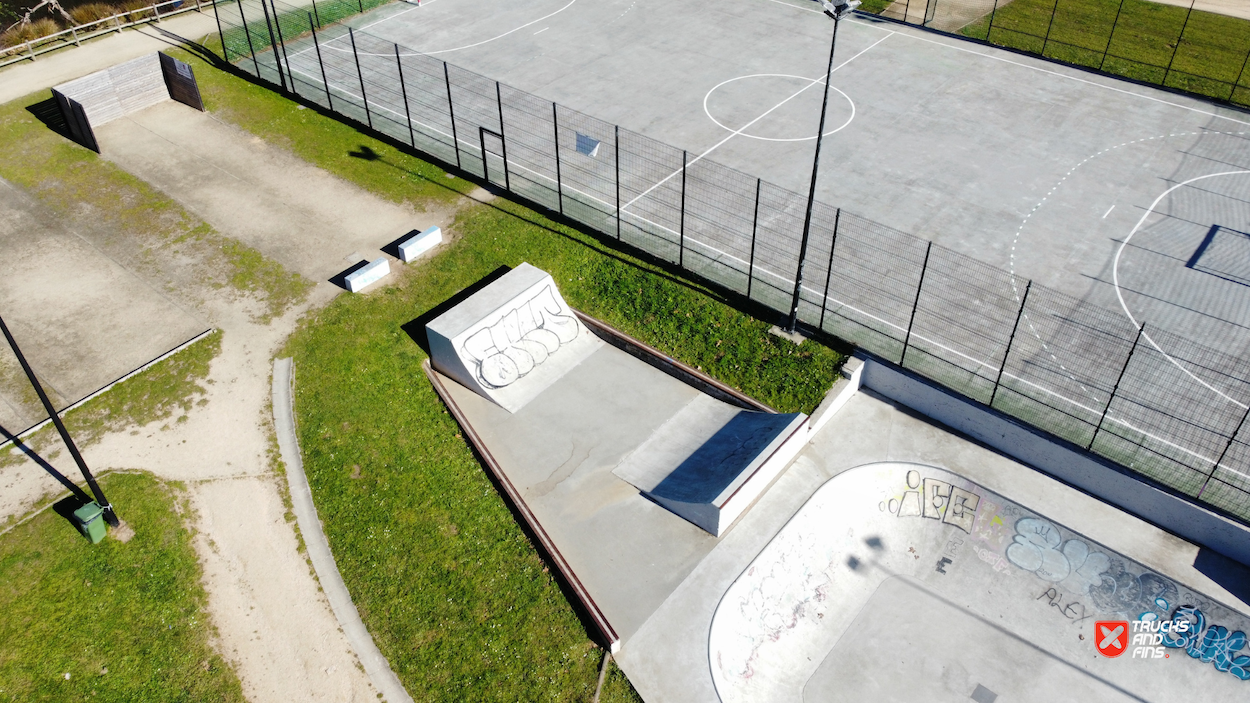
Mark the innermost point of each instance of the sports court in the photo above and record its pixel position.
(1124, 195)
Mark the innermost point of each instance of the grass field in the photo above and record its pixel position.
(453, 592)
(1209, 59)
(114, 621)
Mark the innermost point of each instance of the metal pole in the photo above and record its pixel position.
(318, 14)
(555, 127)
(915, 304)
(991, 27)
(681, 228)
(1114, 23)
(451, 110)
(359, 74)
(109, 515)
(1240, 73)
(824, 302)
(503, 140)
(617, 158)
(248, 34)
(1116, 387)
(1046, 39)
(362, 5)
(1177, 48)
(755, 223)
(1010, 340)
(1225, 452)
(273, 43)
(282, 44)
(324, 80)
(811, 191)
(225, 52)
(403, 89)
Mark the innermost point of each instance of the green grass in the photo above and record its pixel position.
(126, 621)
(168, 389)
(132, 221)
(1208, 61)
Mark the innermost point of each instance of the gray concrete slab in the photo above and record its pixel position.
(669, 657)
(1040, 169)
(83, 319)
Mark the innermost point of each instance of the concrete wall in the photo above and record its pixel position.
(1064, 461)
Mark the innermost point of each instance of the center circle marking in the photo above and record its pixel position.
(813, 83)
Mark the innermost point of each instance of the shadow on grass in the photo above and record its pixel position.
(416, 328)
(43, 464)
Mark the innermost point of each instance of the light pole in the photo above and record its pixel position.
(109, 516)
(836, 10)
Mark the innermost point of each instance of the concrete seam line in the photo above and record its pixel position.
(376, 666)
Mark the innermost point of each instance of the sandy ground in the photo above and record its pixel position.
(273, 622)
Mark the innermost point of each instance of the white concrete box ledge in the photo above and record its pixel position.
(418, 244)
(372, 272)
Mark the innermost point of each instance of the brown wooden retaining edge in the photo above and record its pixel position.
(671, 366)
(588, 602)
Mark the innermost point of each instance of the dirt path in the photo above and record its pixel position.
(273, 622)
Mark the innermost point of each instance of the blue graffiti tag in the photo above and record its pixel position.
(1216, 646)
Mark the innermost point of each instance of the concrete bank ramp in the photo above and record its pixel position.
(710, 460)
(511, 340)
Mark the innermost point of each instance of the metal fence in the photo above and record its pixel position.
(1182, 45)
(1149, 400)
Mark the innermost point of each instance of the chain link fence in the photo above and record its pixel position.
(1153, 402)
(1190, 45)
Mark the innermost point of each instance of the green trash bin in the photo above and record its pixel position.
(90, 519)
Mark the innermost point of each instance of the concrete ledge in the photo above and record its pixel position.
(1060, 459)
(843, 390)
(418, 244)
(372, 272)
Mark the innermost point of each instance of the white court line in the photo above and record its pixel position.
(740, 130)
(458, 48)
(1108, 212)
(1115, 277)
(361, 29)
(541, 31)
(718, 123)
(935, 343)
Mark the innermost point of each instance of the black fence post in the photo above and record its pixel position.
(1177, 48)
(361, 3)
(1224, 453)
(451, 111)
(109, 515)
(824, 301)
(616, 157)
(1011, 340)
(755, 223)
(364, 97)
(681, 250)
(916, 304)
(247, 32)
(403, 89)
(555, 128)
(225, 50)
(1046, 39)
(318, 15)
(1114, 23)
(324, 80)
(1140, 331)
(1240, 73)
(273, 42)
(282, 45)
(503, 138)
(990, 29)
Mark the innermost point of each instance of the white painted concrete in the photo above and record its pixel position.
(373, 272)
(418, 244)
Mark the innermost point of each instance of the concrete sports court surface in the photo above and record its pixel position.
(1128, 196)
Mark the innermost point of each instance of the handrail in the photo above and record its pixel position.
(75, 35)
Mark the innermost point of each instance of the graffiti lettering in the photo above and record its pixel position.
(1073, 610)
(1216, 646)
(995, 560)
(941, 501)
(1038, 547)
(521, 340)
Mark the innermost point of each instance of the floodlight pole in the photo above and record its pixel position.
(811, 192)
(109, 516)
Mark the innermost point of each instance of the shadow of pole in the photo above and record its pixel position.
(34, 456)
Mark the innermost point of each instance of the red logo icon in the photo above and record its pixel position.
(1111, 637)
